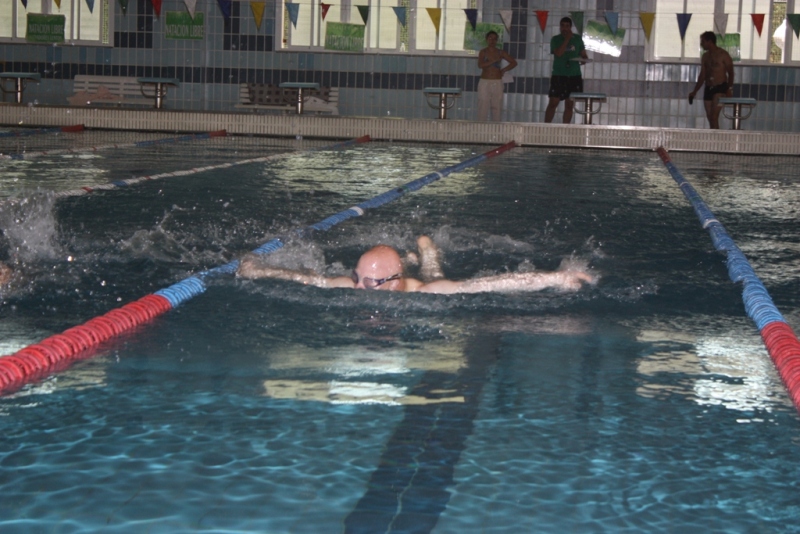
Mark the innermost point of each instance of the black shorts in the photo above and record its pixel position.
(709, 92)
(562, 86)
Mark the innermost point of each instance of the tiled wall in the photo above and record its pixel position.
(234, 51)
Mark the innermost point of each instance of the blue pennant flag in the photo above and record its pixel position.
(225, 7)
(293, 10)
(401, 15)
(612, 17)
(683, 23)
(472, 17)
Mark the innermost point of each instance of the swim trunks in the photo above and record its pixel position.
(709, 92)
(562, 86)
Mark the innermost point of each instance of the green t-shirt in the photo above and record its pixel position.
(562, 66)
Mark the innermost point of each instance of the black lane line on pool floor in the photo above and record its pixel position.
(408, 490)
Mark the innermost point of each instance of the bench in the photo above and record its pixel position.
(442, 94)
(588, 100)
(19, 79)
(268, 97)
(107, 90)
(737, 104)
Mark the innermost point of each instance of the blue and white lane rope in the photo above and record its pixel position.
(194, 285)
(779, 338)
(40, 131)
(137, 144)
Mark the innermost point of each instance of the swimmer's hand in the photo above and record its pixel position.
(251, 266)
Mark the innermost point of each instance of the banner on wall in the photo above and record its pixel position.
(344, 37)
(599, 38)
(476, 39)
(181, 25)
(45, 28)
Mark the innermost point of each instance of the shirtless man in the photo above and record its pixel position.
(716, 72)
(382, 268)
(490, 86)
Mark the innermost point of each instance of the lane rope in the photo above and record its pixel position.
(136, 144)
(40, 131)
(779, 338)
(57, 352)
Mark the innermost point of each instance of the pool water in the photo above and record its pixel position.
(646, 403)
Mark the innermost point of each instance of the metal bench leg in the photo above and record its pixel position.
(442, 106)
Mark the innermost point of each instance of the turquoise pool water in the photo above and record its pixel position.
(645, 403)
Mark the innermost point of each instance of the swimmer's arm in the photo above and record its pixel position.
(248, 268)
(513, 282)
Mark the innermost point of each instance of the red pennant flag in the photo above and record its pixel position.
(542, 16)
(325, 8)
(758, 21)
(156, 7)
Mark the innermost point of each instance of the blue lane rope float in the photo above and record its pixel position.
(779, 338)
(137, 144)
(58, 351)
(40, 131)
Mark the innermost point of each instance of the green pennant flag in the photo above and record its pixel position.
(794, 20)
(577, 20)
(124, 5)
(364, 11)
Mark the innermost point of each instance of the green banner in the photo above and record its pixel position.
(344, 37)
(181, 25)
(476, 39)
(45, 28)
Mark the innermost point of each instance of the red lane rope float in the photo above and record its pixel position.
(39, 359)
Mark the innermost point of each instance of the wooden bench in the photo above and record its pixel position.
(270, 97)
(107, 91)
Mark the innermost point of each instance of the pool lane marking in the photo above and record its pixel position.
(779, 338)
(40, 131)
(117, 184)
(57, 352)
(137, 144)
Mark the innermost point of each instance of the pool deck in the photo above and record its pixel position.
(399, 129)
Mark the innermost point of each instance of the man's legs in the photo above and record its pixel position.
(550, 112)
(713, 113)
(569, 106)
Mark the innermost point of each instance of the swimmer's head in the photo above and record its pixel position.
(5, 274)
(379, 268)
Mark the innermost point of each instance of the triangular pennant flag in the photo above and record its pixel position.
(90, 5)
(190, 6)
(25, 3)
(612, 17)
(364, 11)
(400, 12)
(505, 15)
(794, 20)
(542, 16)
(225, 7)
(124, 5)
(758, 21)
(472, 17)
(293, 10)
(683, 23)
(435, 13)
(721, 23)
(258, 12)
(58, 4)
(647, 22)
(156, 7)
(325, 7)
(577, 20)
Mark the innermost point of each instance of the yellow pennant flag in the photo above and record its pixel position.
(258, 12)
(435, 14)
(58, 4)
(647, 22)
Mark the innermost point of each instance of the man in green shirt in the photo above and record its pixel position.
(566, 47)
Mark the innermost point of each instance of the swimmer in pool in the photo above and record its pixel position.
(382, 268)
(5, 274)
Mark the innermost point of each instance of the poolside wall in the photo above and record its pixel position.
(234, 51)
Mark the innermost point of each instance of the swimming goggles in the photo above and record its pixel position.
(372, 283)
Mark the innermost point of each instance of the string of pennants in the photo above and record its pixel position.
(435, 14)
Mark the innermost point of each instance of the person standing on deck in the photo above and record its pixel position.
(490, 87)
(716, 72)
(566, 77)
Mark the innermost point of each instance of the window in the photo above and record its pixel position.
(776, 43)
(383, 31)
(82, 26)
